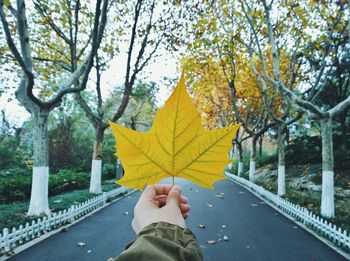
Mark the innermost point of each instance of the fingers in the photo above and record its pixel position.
(174, 196)
(162, 189)
(185, 210)
(162, 195)
(154, 190)
(160, 200)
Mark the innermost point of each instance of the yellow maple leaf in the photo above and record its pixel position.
(176, 145)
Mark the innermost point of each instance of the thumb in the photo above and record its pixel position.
(174, 196)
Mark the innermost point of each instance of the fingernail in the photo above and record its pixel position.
(176, 188)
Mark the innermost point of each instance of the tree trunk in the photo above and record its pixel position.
(240, 163)
(252, 160)
(342, 121)
(240, 168)
(231, 156)
(281, 159)
(327, 199)
(96, 166)
(39, 203)
(260, 145)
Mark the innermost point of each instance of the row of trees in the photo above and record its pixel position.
(266, 64)
(269, 64)
(53, 47)
(70, 135)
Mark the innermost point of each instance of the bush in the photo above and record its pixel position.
(265, 159)
(15, 188)
(18, 188)
(108, 171)
(304, 150)
(13, 157)
(67, 180)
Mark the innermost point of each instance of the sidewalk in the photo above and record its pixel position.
(255, 231)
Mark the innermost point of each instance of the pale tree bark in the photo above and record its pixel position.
(241, 136)
(39, 194)
(39, 108)
(252, 163)
(327, 199)
(96, 166)
(281, 180)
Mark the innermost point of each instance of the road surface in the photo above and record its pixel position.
(255, 231)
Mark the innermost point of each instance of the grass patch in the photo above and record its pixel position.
(14, 214)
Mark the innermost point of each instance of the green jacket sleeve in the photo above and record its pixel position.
(163, 241)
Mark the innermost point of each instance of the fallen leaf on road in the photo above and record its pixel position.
(201, 226)
(254, 205)
(126, 213)
(81, 244)
(209, 205)
(225, 238)
(219, 196)
(89, 251)
(219, 240)
(211, 242)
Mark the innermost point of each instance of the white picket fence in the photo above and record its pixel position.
(326, 229)
(24, 233)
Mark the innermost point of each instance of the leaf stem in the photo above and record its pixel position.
(173, 180)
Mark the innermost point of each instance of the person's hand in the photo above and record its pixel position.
(160, 203)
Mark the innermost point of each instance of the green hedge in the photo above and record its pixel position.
(18, 188)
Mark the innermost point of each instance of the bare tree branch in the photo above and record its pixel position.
(86, 65)
(59, 32)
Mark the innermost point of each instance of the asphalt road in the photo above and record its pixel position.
(255, 231)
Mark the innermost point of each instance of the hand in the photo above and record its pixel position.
(160, 203)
